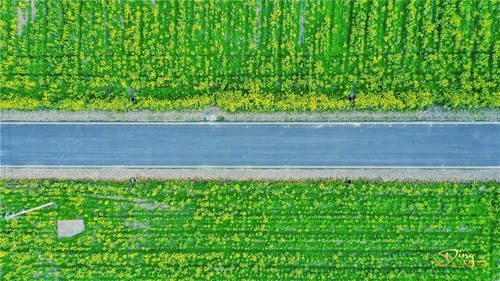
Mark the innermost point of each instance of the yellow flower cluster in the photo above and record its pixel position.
(187, 230)
(253, 55)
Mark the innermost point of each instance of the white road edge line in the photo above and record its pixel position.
(244, 167)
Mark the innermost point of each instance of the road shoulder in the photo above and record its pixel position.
(458, 175)
(214, 114)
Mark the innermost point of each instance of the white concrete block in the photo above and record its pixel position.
(69, 228)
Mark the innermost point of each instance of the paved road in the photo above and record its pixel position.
(305, 145)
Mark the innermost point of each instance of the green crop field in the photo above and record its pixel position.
(285, 55)
(187, 230)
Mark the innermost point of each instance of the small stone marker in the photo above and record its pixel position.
(69, 228)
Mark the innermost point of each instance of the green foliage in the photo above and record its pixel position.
(186, 230)
(281, 55)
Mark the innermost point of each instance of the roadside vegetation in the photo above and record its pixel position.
(386, 55)
(187, 230)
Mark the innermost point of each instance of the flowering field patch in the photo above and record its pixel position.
(186, 230)
(281, 55)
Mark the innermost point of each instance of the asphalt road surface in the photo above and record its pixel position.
(397, 145)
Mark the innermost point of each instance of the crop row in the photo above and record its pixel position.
(249, 55)
(248, 230)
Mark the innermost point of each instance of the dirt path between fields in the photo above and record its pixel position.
(255, 174)
(214, 114)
